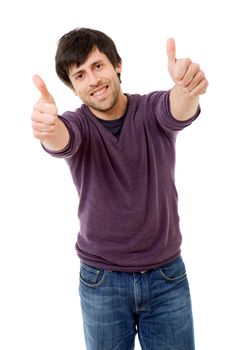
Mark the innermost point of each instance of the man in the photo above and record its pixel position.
(121, 152)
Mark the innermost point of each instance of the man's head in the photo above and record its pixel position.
(88, 62)
(75, 47)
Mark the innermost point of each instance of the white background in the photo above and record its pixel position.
(39, 302)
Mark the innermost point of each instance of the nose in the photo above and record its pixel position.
(93, 78)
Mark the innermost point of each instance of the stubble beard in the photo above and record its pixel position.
(105, 106)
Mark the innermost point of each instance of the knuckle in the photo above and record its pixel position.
(187, 60)
(206, 83)
(55, 109)
(36, 134)
(50, 128)
(33, 125)
(201, 73)
(34, 115)
(54, 119)
(51, 108)
(178, 74)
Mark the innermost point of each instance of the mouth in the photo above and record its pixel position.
(100, 92)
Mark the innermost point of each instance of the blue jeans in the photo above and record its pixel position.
(155, 304)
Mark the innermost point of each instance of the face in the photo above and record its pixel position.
(96, 82)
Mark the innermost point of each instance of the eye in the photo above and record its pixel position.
(98, 66)
(79, 76)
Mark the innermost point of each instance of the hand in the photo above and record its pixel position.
(186, 74)
(44, 115)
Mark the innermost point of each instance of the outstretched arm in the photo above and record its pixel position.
(190, 83)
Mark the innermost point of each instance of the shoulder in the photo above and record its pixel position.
(150, 98)
(75, 115)
(77, 118)
(147, 105)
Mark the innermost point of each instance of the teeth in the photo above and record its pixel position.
(99, 92)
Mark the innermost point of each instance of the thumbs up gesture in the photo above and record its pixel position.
(44, 115)
(186, 74)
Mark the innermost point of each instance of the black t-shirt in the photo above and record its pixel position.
(114, 126)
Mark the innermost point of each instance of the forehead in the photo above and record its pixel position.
(95, 54)
(94, 57)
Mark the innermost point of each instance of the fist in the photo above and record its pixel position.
(186, 74)
(44, 115)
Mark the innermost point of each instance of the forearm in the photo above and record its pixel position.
(183, 105)
(60, 138)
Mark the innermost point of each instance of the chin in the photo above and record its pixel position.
(102, 106)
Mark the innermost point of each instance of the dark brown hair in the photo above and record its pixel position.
(75, 46)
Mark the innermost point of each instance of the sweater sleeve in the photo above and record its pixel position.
(71, 122)
(161, 110)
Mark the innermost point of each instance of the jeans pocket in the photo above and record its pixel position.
(91, 276)
(173, 271)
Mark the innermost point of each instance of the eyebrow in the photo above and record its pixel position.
(83, 70)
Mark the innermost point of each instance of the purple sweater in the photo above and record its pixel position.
(127, 196)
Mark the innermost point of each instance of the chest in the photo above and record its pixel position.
(139, 146)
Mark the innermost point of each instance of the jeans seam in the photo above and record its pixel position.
(94, 285)
(91, 269)
(180, 277)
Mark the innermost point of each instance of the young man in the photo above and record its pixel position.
(121, 152)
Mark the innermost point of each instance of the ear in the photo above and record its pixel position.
(119, 68)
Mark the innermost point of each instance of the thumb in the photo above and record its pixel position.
(171, 51)
(40, 85)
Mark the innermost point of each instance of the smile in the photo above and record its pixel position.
(99, 92)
